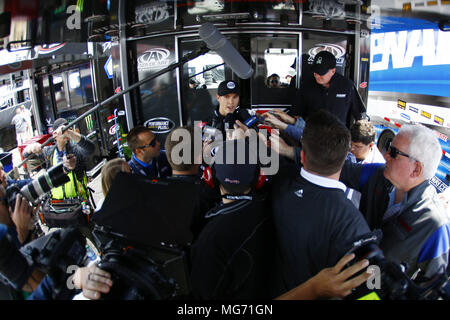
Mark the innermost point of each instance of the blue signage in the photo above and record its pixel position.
(109, 68)
(410, 56)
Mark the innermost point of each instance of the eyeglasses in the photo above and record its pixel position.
(393, 152)
(274, 81)
(151, 144)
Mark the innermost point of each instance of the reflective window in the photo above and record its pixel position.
(273, 83)
(46, 103)
(60, 91)
(75, 92)
(80, 87)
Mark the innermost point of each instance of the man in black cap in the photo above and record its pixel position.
(74, 157)
(233, 256)
(330, 91)
(228, 111)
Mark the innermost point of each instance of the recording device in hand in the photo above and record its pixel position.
(134, 268)
(51, 254)
(53, 178)
(229, 121)
(394, 282)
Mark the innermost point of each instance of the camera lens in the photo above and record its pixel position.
(51, 179)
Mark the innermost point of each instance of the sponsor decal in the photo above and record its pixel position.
(113, 129)
(153, 58)
(231, 85)
(152, 13)
(401, 104)
(440, 135)
(46, 49)
(439, 120)
(438, 184)
(425, 114)
(405, 116)
(336, 50)
(232, 181)
(413, 109)
(299, 193)
(160, 125)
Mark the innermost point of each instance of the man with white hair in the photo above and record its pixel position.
(398, 198)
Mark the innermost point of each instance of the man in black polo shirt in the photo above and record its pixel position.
(316, 224)
(330, 91)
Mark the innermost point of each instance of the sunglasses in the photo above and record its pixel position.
(151, 144)
(393, 152)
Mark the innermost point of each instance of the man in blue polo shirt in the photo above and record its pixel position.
(148, 160)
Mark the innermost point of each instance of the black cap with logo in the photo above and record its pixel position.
(323, 62)
(227, 87)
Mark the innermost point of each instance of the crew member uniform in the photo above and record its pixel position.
(159, 167)
(415, 231)
(341, 99)
(315, 224)
(233, 256)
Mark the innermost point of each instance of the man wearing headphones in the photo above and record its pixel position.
(233, 256)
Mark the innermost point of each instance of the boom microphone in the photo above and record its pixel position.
(217, 42)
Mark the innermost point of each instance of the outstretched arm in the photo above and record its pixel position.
(330, 282)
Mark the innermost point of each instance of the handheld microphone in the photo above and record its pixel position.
(217, 42)
(229, 121)
(247, 119)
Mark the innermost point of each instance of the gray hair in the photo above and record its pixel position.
(424, 147)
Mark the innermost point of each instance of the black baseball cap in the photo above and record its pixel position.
(228, 86)
(323, 61)
(236, 174)
(58, 123)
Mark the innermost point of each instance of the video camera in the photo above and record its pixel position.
(138, 272)
(51, 254)
(394, 282)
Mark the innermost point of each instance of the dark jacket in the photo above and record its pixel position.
(341, 99)
(233, 257)
(315, 224)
